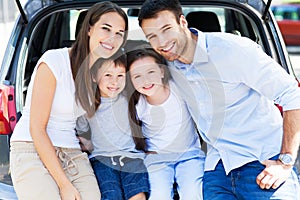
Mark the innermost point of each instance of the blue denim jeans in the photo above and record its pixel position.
(120, 179)
(240, 183)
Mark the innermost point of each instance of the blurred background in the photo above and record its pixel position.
(8, 14)
(287, 15)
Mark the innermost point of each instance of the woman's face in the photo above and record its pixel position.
(146, 76)
(111, 79)
(107, 35)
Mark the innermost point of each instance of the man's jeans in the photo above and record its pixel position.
(240, 183)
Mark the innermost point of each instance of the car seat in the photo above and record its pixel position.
(205, 21)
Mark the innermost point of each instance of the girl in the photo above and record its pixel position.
(118, 166)
(163, 127)
(45, 159)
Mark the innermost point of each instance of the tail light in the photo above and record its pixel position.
(4, 125)
(8, 117)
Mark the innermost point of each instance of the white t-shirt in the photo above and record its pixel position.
(168, 127)
(64, 110)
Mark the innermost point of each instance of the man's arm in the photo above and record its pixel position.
(276, 172)
(291, 130)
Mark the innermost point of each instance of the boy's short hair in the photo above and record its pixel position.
(150, 8)
(119, 58)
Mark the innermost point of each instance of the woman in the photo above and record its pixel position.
(46, 160)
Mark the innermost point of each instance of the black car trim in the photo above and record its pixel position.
(23, 15)
(264, 17)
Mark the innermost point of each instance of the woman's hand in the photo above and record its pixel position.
(69, 192)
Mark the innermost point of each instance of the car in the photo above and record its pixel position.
(288, 19)
(44, 25)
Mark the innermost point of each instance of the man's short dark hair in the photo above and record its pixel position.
(150, 8)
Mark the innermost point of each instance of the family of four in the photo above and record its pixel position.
(146, 105)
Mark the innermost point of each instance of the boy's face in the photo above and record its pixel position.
(111, 79)
(146, 76)
(165, 35)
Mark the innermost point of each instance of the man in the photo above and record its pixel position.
(233, 86)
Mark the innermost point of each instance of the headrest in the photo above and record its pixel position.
(80, 19)
(205, 21)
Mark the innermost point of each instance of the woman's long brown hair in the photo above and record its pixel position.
(79, 55)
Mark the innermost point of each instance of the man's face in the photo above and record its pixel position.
(165, 35)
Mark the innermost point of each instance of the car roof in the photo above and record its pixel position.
(28, 8)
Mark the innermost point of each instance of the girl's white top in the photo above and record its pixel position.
(168, 127)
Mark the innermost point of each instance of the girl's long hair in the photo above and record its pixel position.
(80, 51)
(134, 95)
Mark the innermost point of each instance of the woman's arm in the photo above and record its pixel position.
(41, 103)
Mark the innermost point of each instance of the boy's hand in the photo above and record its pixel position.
(85, 144)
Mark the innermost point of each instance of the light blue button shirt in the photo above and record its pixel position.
(231, 87)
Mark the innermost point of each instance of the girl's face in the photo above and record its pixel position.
(146, 76)
(107, 35)
(111, 79)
